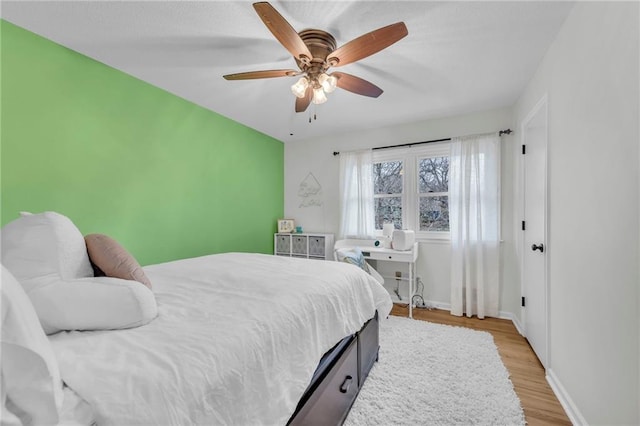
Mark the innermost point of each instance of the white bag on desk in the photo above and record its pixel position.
(403, 239)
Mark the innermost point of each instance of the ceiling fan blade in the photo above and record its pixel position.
(367, 45)
(357, 85)
(282, 30)
(303, 103)
(261, 74)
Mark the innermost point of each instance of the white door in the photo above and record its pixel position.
(534, 249)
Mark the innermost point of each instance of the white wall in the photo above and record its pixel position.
(315, 156)
(590, 74)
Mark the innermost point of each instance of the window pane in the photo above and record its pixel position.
(387, 177)
(433, 174)
(434, 213)
(389, 209)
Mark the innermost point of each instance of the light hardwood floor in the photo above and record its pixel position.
(540, 405)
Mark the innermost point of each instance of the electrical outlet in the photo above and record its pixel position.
(398, 274)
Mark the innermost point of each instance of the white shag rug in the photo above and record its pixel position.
(433, 374)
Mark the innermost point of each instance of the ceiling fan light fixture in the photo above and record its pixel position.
(318, 96)
(314, 51)
(328, 82)
(300, 87)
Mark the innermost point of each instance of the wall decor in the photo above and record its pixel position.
(286, 225)
(310, 191)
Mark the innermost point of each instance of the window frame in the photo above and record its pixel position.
(403, 205)
(410, 157)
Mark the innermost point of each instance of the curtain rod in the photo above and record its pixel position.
(500, 133)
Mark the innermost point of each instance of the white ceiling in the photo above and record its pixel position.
(459, 57)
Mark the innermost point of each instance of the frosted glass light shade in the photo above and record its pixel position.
(328, 82)
(300, 87)
(319, 96)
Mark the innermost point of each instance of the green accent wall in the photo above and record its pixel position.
(164, 177)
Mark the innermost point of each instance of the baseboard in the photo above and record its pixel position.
(565, 400)
(438, 305)
(502, 314)
(511, 317)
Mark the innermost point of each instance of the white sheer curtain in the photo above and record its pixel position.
(356, 194)
(474, 218)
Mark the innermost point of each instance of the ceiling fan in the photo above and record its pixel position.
(315, 52)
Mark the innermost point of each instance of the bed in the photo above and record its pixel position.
(237, 339)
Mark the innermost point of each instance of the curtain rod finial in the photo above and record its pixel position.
(505, 132)
(336, 153)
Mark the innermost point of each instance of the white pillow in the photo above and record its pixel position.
(48, 255)
(31, 385)
(99, 303)
(39, 247)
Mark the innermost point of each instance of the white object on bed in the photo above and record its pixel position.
(48, 255)
(36, 247)
(98, 303)
(31, 385)
(236, 341)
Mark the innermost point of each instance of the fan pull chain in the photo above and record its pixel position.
(315, 117)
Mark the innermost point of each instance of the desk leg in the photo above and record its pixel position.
(411, 290)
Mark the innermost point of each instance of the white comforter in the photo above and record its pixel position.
(236, 341)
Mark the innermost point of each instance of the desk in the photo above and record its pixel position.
(370, 251)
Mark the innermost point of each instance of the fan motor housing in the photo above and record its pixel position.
(320, 44)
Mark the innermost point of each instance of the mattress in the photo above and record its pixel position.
(236, 341)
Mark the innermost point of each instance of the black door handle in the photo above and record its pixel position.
(344, 388)
(537, 247)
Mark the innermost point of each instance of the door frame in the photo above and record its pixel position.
(541, 105)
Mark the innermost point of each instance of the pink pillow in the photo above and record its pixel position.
(113, 260)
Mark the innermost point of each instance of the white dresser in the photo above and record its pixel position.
(308, 245)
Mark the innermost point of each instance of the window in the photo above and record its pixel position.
(387, 193)
(411, 189)
(433, 193)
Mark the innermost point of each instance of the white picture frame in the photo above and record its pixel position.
(286, 225)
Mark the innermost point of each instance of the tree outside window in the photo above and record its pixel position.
(433, 190)
(387, 190)
(411, 189)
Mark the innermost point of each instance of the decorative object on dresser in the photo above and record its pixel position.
(403, 239)
(307, 245)
(286, 225)
(387, 235)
